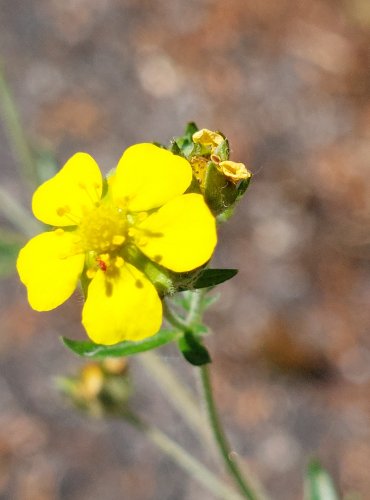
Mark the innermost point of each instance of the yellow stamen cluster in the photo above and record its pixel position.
(103, 229)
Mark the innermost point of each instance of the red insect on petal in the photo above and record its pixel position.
(102, 264)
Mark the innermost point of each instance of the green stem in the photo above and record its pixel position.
(197, 470)
(225, 451)
(195, 306)
(220, 437)
(173, 318)
(14, 130)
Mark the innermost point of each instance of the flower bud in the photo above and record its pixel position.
(220, 180)
(99, 388)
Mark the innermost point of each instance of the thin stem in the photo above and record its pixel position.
(197, 470)
(225, 451)
(17, 215)
(220, 438)
(195, 306)
(173, 318)
(176, 392)
(14, 130)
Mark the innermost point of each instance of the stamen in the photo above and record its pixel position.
(141, 216)
(90, 273)
(119, 262)
(118, 239)
(66, 212)
(94, 199)
(142, 241)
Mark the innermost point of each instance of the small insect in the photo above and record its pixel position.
(102, 264)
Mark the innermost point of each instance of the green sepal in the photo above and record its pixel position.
(158, 275)
(184, 145)
(212, 277)
(242, 187)
(193, 351)
(219, 193)
(318, 483)
(223, 150)
(90, 350)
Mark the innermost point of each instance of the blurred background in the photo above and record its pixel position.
(288, 83)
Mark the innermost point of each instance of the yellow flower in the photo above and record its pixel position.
(142, 207)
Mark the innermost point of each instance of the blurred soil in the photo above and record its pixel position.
(288, 83)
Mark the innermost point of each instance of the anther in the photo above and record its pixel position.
(118, 239)
(63, 210)
(141, 216)
(90, 273)
(119, 262)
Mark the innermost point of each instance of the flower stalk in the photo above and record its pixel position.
(183, 459)
(225, 451)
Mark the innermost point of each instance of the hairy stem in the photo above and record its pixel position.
(220, 437)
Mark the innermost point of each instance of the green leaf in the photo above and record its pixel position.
(90, 350)
(184, 145)
(318, 484)
(192, 350)
(8, 256)
(190, 129)
(242, 187)
(213, 277)
(223, 150)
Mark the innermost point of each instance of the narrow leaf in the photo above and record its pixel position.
(213, 277)
(193, 351)
(318, 484)
(90, 350)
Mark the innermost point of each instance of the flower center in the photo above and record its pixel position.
(103, 229)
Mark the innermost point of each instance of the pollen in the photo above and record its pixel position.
(103, 229)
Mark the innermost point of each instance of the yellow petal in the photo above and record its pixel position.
(148, 176)
(62, 200)
(207, 137)
(235, 172)
(49, 270)
(124, 306)
(181, 235)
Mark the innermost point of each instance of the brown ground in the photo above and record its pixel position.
(288, 83)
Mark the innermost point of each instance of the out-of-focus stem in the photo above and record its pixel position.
(177, 394)
(15, 133)
(186, 461)
(17, 215)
